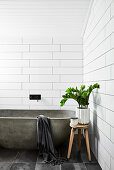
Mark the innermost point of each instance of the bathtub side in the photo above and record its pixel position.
(18, 133)
(60, 130)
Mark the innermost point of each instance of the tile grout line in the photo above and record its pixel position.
(14, 159)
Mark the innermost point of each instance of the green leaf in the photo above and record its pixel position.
(81, 96)
(85, 94)
(77, 89)
(82, 87)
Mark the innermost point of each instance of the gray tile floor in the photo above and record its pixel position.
(29, 159)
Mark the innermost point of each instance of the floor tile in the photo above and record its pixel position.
(23, 166)
(40, 159)
(84, 154)
(30, 160)
(93, 166)
(43, 166)
(8, 155)
(73, 166)
(5, 166)
(84, 157)
(81, 156)
(75, 155)
(27, 156)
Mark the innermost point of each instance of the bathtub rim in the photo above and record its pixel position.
(34, 118)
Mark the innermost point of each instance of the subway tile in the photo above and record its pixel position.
(107, 144)
(112, 40)
(67, 40)
(14, 63)
(37, 71)
(14, 48)
(108, 43)
(10, 70)
(44, 48)
(44, 78)
(47, 107)
(67, 55)
(10, 86)
(38, 56)
(99, 75)
(108, 3)
(110, 87)
(64, 86)
(8, 56)
(109, 28)
(14, 78)
(112, 71)
(96, 64)
(44, 63)
(10, 101)
(10, 40)
(110, 117)
(102, 162)
(71, 63)
(99, 99)
(71, 78)
(71, 48)
(46, 93)
(105, 155)
(98, 110)
(37, 86)
(12, 106)
(104, 127)
(102, 88)
(112, 9)
(109, 102)
(112, 163)
(14, 93)
(112, 134)
(44, 102)
(67, 71)
(37, 40)
(109, 57)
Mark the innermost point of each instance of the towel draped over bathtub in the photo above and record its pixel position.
(44, 141)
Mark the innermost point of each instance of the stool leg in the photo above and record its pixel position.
(87, 144)
(79, 139)
(70, 142)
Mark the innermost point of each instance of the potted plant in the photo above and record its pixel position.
(82, 97)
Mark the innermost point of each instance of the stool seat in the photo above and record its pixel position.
(79, 127)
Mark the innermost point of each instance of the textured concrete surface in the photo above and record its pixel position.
(18, 128)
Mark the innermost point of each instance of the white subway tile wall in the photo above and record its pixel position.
(39, 65)
(42, 18)
(98, 66)
(40, 51)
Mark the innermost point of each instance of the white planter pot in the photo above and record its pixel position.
(74, 121)
(83, 115)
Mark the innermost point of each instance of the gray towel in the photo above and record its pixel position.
(44, 141)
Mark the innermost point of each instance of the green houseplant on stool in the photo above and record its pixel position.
(82, 97)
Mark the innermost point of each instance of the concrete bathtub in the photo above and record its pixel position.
(18, 128)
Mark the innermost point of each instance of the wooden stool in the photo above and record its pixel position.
(79, 127)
